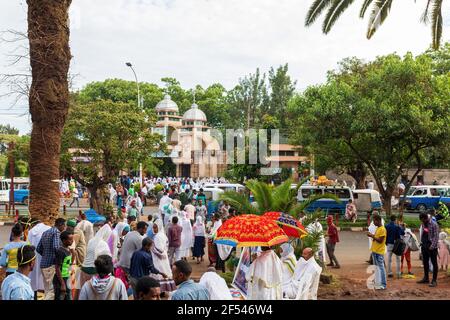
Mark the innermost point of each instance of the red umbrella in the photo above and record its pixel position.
(249, 230)
(291, 226)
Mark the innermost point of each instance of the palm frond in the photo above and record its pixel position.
(312, 240)
(425, 16)
(336, 9)
(380, 11)
(262, 195)
(436, 23)
(316, 10)
(295, 212)
(364, 7)
(238, 201)
(282, 197)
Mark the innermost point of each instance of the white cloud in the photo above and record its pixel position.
(207, 41)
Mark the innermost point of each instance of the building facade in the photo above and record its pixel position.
(192, 148)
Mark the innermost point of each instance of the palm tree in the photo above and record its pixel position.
(48, 34)
(379, 12)
(282, 198)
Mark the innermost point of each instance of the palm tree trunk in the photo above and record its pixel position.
(48, 34)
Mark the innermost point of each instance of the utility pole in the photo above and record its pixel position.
(11, 175)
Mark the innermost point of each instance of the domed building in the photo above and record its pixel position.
(192, 149)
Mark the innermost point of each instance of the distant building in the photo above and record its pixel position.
(193, 150)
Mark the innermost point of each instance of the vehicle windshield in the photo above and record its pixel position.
(306, 193)
(411, 191)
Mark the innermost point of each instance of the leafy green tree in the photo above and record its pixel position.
(387, 114)
(118, 90)
(102, 138)
(249, 98)
(380, 10)
(282, 90)
(6, 130)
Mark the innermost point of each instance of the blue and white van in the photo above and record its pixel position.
(422, 198)
(21, 190)
(328, 205)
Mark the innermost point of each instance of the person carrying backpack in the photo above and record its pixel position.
(412, 244)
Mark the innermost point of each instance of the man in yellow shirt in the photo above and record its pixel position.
(378, 250)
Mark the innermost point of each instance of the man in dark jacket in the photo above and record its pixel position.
(429, 248)
(394, 232)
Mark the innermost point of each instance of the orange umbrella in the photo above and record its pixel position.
(291, 226)
(249, 230)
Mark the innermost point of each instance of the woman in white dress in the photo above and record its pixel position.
(160, 257)
(186, 236)
(97, 246)
(121, 229)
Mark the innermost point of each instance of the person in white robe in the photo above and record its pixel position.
(216, 285)
(289, 262)
(186, 236)
(117, 233)
(160, 248)
(34, 236)
(112, 194)
(163, 202)
(86, 226)
(265, 277)
(97, 246)
(316, 226)
(306, 277)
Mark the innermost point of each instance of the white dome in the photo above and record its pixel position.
(194, 113)
(166, 104)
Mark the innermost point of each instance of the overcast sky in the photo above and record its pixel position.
(208, 41)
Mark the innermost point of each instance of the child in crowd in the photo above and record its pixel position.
(443, 251)
(63, 267)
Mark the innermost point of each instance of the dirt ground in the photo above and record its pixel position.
(350, 281)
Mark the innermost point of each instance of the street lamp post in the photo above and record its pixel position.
(137, 83)
(128, 64)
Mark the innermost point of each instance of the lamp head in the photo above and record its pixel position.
(128, 64)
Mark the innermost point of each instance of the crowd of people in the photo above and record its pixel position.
(127, 256)
(69, 261)
(133, 256)
(395, 239)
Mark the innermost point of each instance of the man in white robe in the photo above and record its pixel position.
(265, 276)
(34, 236)
(289, 262)
(216, 285)
(307, 270)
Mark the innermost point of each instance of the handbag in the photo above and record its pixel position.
(399, 247)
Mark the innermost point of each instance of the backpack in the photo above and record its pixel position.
(399, 247)
(413, 243)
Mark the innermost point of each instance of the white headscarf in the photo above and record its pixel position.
(160, 240)
(116, 234)
(98, 246)
(199, 227)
